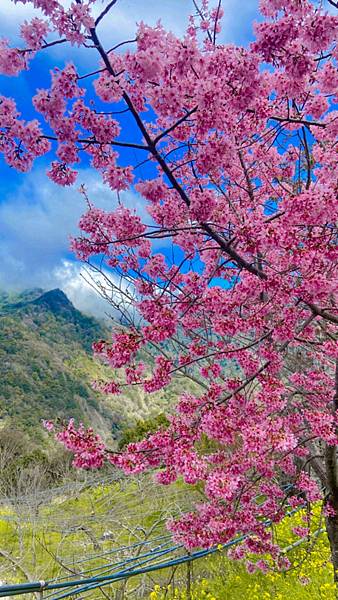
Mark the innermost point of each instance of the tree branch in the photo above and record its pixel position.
(308, 159)
(172, 127)
(300, 121)
(322, 312)
(240, 261)
(105, 11)
(93, 141)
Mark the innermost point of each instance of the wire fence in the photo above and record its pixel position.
(158, 556)
(96, 570)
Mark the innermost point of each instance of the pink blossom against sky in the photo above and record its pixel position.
(49, 214)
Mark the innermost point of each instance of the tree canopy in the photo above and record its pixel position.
(229, 270)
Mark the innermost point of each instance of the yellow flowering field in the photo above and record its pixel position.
(310, 575)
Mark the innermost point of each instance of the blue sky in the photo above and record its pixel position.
(36, 216)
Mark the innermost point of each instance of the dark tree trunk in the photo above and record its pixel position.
(331, 468)
(332, 533)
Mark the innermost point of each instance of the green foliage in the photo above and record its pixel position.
(142, 429)
(38, 340)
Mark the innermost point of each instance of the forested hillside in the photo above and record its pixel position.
(42, 336)
(46, 368)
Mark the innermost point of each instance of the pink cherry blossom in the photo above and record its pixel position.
(34, 32)
(61, 174)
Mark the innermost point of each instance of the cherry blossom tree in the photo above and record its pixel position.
(233, 153)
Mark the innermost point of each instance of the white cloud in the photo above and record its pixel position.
(72, 279)
(13, 15)
(125, 14)
(37, 220)
(94, 293)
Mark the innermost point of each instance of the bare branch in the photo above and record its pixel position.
(105, 12)
(300, 121)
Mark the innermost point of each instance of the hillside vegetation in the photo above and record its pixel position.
(46, 368)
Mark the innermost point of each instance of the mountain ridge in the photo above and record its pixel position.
(41, 335)
(47, 367)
